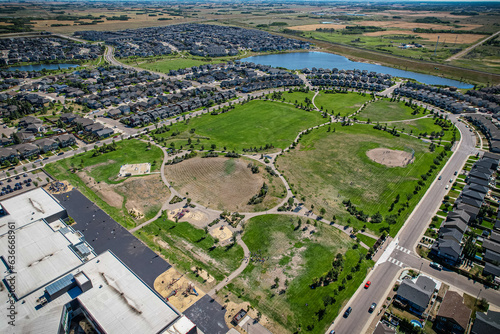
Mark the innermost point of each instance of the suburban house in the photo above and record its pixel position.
(8, 153)
(66, 140)
(27, 150)
(383, 329)
(448, 245)
(492, 255)
(46, 144)
(416, 295)
(453, 316)
(488, 323)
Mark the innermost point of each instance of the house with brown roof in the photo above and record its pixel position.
(453, 315)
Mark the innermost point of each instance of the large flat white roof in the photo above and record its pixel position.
(28, 207)
(42, 255)
(120, 302)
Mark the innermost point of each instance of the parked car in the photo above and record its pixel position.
(451, 180)
(367, 285)
(347, 312)
(436, 266)
(440, 177)
(372, 307)
(447, 186)
(456, 172)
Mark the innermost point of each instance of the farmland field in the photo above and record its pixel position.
(330, 167)
(342, 103)
(225, 184)
(296, 257)
(251, 125)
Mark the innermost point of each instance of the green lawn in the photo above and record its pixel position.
(253, 124)
(189, 246)
(167, 63)
(299, 257)
(343, 103)
(366, 239)
(385, 110)
(296, 97)
(426, 125)
(105, 167)
(329, 167)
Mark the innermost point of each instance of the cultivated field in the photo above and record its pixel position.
(294, 257)
(330, 167)
(450, 38)
(252, 125)
(224, 184)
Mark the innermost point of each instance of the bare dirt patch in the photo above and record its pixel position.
(135, 169)
(389, 158)
(222, 233)
(143, 194)
(178, 289)
(221, 183)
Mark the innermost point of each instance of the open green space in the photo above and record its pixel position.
(252, 125)
(426, 126)
(341, 103)
(186, 246)
(366, 239)
(104, 168)
(173, 62)
(328, 168)
(385, 110)
(295, 259)
(295, 97)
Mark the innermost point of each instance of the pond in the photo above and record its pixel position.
(301, 60)
(39, 67)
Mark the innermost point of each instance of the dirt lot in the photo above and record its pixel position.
(221, 183)
(170, 281)
(142, 194)
(451, 38)
(389, 158)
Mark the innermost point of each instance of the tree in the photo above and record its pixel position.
(276, 282)
(322, 211)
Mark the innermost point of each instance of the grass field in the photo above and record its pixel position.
(342, 103)
(296, 97)
(165, 64)
(299, 257)
(329, 167)
(253, 124)
(424, 125)
(186, 246)
(225, 184)
(385, 110)
(366, 239)
(104, 168)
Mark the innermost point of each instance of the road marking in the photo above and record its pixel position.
(396, 262)
(402, 249)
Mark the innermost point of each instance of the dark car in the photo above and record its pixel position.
(17, 177)
(372, 307)
(347, 312)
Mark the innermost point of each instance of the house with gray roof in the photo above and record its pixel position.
(486, 323)
(416, 294)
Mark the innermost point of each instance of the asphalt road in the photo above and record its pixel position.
(401, 252)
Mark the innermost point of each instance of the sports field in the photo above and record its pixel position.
(295, 257)
(251, 125)
(330, 167)
(341, 103)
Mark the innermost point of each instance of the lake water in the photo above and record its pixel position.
(301, 60)
(40, 67)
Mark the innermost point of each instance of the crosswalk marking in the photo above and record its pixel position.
(396, 262)
(402, 249)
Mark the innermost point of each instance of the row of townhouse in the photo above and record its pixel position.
(450, 242)
(33, 149)
(87, 125)
(449, 99)
(490, 130)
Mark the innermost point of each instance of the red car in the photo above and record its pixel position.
(367, 285)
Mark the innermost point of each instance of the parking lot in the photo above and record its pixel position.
(103, 233)
(18, 184)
